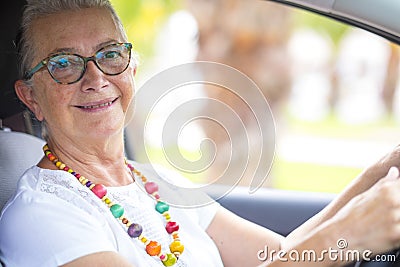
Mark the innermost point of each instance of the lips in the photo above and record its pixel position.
(98, 105)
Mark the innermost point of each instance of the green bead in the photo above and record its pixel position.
(171, 260)
(117, 210)
(162, 207)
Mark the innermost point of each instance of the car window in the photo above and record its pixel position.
(332, 90)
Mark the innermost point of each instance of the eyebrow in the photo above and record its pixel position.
(72, 50)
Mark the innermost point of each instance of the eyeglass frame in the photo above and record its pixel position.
(43, 63)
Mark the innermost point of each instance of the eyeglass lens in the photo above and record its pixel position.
(69, 68)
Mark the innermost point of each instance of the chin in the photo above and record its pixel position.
(106, 128)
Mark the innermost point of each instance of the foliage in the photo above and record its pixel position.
(329, 27)
(143, 19)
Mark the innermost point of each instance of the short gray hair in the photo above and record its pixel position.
(39, 8)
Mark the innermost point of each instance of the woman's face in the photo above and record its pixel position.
(95, 106)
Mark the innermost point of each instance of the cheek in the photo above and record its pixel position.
(127, 87)
(52, 100)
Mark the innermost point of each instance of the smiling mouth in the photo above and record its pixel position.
(107, 104)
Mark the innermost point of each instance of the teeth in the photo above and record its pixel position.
(98, 106)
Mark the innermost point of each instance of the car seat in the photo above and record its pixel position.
(18, 152)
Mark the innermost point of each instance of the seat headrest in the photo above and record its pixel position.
(18, 152)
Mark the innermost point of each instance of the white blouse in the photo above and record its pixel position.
(52, 219)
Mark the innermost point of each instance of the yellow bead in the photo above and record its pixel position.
(143, 239)
(70, 171)
(176, 246)
(58, 163)
(167, 216)
(107, 200)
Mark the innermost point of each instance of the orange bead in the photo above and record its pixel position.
(153, 248)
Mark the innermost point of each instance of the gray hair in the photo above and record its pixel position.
(39, 8)
(35, 9)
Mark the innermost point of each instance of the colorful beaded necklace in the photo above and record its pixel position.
(153, 248)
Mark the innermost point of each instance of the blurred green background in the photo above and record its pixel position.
(144, 19)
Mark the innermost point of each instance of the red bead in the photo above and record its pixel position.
(66, 168)
(99, 190)
(78, 175)
(171, 227)
(130, 167)
(151, 187)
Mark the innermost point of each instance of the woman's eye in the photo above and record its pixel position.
(111, 54)
(60, 63)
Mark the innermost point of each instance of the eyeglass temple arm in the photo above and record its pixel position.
(30, 73)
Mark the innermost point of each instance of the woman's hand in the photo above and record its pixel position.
(368, 186)
(371, 220)
(381, 167)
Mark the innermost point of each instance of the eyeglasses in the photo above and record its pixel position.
(67, 68)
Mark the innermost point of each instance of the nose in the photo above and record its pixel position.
(93, 79)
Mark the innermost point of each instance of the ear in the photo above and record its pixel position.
(27, 96)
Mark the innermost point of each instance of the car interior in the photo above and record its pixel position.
(279, 210)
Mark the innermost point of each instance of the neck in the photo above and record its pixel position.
(102, 162)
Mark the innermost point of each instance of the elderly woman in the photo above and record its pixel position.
(82, 206)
